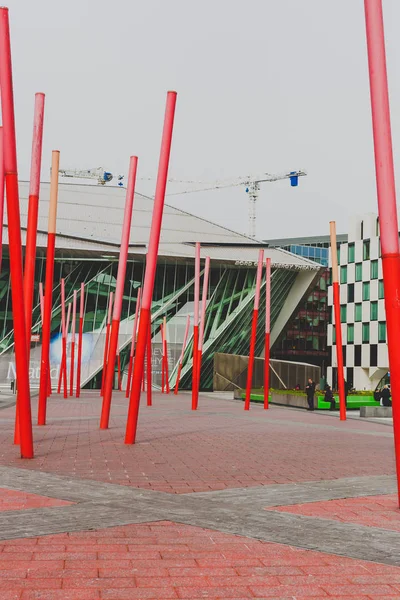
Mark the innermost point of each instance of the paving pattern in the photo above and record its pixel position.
(14, 500)
(91, 537)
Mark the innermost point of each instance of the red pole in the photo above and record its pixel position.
(1, 194)
(119, 291)
(151, 265)
(149, 368)
(41, 297)
(80, 338)
(196, 327)
(166, 356)
(338, 324)
(387, 208)
(133, 342)
(106, 343)
(254, 329)
(72, 367)
(33, 210)
(162, 358)
(48, 298)
(119, 371)
(63, 365)
(202, 323)
(267, 331)
(182, 354)
(14, 235)
(66, 339)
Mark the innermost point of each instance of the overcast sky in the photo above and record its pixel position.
(263, 86)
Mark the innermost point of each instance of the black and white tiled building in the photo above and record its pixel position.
(362, 308)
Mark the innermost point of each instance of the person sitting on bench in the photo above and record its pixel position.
(329, 397)
(386, 395)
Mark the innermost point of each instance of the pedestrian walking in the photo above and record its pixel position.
(310, 391)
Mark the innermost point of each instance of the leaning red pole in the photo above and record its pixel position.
(41, 299)
(185, 337)
(1, 194)
(149, 369)
(63, 364)
(267, 330)
(202, 324)
(151, 265)
(72, 367)
(66, 339)
(33, 211)
(133, 343)
(48, 297)
(195, 386)
(162, 358)
(388, 221)
(119, 291)
(338, 324)
(80, 340)
(107, 340)
(14, 238)
(254, 329)
(166, 356)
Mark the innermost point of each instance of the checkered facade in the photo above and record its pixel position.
(362, 308)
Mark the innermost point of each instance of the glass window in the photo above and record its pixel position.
(350, 292)
(382, 332)
(365, 333)
(343, 313)
(374, 269)
(366, 290)
(366, 250)
(338, 255)
(343, 274)
(350, 253)
(373, 355)
(381, 293)
(358, 312)
(358, 271)
(334, 335)
(350, 334)
(357, 356)
(374, 311)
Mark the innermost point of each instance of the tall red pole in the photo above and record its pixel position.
(80, 339)
(185, 337)
(1, 194)
(149, 369)
(119, 291)
(202, 324)
(41, 298)
(107, 340)
(388, 222)
(133, 343)
(14, 235)
(254, 330)
(48, 298)
(33, 210)
(338, 324)
(267, 330)
(119, 371)
(162, 358)
(63, 338)
(72, 367)
(196, 328)
(66, 339)
(166, 356)
(151, 265)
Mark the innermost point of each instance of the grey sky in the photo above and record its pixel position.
(263, 85)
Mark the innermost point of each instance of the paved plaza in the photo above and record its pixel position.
(214, 504)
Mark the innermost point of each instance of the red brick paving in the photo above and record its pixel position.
(180, 451)
(167, 560)
(14, 500)
(373, 511)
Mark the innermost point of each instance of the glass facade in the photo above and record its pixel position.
(351, 253)
(366, 290)
(350, 334)
(358, 271)
(374, 269)
(358, 312)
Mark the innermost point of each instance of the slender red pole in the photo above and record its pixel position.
(151, 265)
(149, 368)
(41, 297)
(72, 367)
(166, 356)
(267, 330)
(107, 340)
(14, 238)
(387, 208)
(66, 339)
(133, 342)
(63, 338)
(1, 194)
(338, 324)
(202, 324)
(80, 339)
(254, 329)
(119, 291)
(48, 298)
(33, 210)
(162, 359)
(119, 371)
(195, 386)
(185, 337)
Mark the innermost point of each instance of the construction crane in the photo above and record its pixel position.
(99, 174)
(251, 184)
